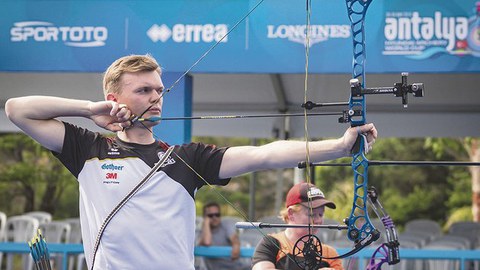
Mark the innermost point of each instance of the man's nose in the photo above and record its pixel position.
(156, 97)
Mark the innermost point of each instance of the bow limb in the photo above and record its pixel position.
(360, 226)
(360, 229)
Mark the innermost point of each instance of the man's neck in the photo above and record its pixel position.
(293, 234)
(139, 135)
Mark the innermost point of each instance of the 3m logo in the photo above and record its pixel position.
(111, 176)
(187, 33)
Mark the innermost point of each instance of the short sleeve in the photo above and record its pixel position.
(266, 250)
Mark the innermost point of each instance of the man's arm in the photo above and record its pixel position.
(206, 233)
(287, 154)
(235, 246)
(35, 115)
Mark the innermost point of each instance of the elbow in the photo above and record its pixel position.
(207, 243)
(11, 107)
(204, 242)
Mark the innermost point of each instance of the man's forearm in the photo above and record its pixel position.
(44, 108)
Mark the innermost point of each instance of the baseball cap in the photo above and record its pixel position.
(302, 192)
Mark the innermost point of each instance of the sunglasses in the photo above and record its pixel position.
(213, 215)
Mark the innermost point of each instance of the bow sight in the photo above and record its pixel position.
(399, 89)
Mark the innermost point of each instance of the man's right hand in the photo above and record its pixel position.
(110, 115)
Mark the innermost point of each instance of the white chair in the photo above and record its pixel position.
(3, 225)
(443, 264)
(468, 229)
(408, 264)
(56, 232)
(41, 216)
(75, 238)
(420, 239)
(21, 229)
(198, 228)
(75, 230)
(425, 227)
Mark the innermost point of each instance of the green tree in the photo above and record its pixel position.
(464, 149)
(31, 178)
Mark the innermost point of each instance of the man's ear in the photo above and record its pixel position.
(290, 212)
(111, 97)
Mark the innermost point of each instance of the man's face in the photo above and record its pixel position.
(140, 90)
(213, 213)
(309, 216)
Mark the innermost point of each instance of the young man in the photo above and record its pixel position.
(305, 204)
(217, 233)
(155, 229)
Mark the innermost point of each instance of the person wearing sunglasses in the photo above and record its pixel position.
(305, 204)
(216, 233)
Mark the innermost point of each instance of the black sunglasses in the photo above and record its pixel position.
(213, 215)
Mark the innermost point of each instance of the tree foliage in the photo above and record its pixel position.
(31, 179)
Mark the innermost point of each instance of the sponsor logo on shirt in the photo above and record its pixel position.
(111, 176)
(169, 160)
(113, 152)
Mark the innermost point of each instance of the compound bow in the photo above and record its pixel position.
(360, 228)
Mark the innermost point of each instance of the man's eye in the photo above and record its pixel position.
(144, 89)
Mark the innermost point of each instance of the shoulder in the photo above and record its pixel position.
(266, 250)
(79, 132)
(270, 242)
(199, 146)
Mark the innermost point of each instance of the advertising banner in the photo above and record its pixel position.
(86, 36)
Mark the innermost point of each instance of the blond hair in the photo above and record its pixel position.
(127, 64)
(284, 212)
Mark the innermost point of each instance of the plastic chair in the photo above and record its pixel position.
(21, 229)
(460, 241)
(408, 264)
(198, 222)
(418, 238)
(75, 230)
(56, 232)
(75, 238)
(41, 216)
(425, 227)
(443, 264)
(3, 225)
(468, 229)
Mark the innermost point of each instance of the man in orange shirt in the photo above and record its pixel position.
(275, 251)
